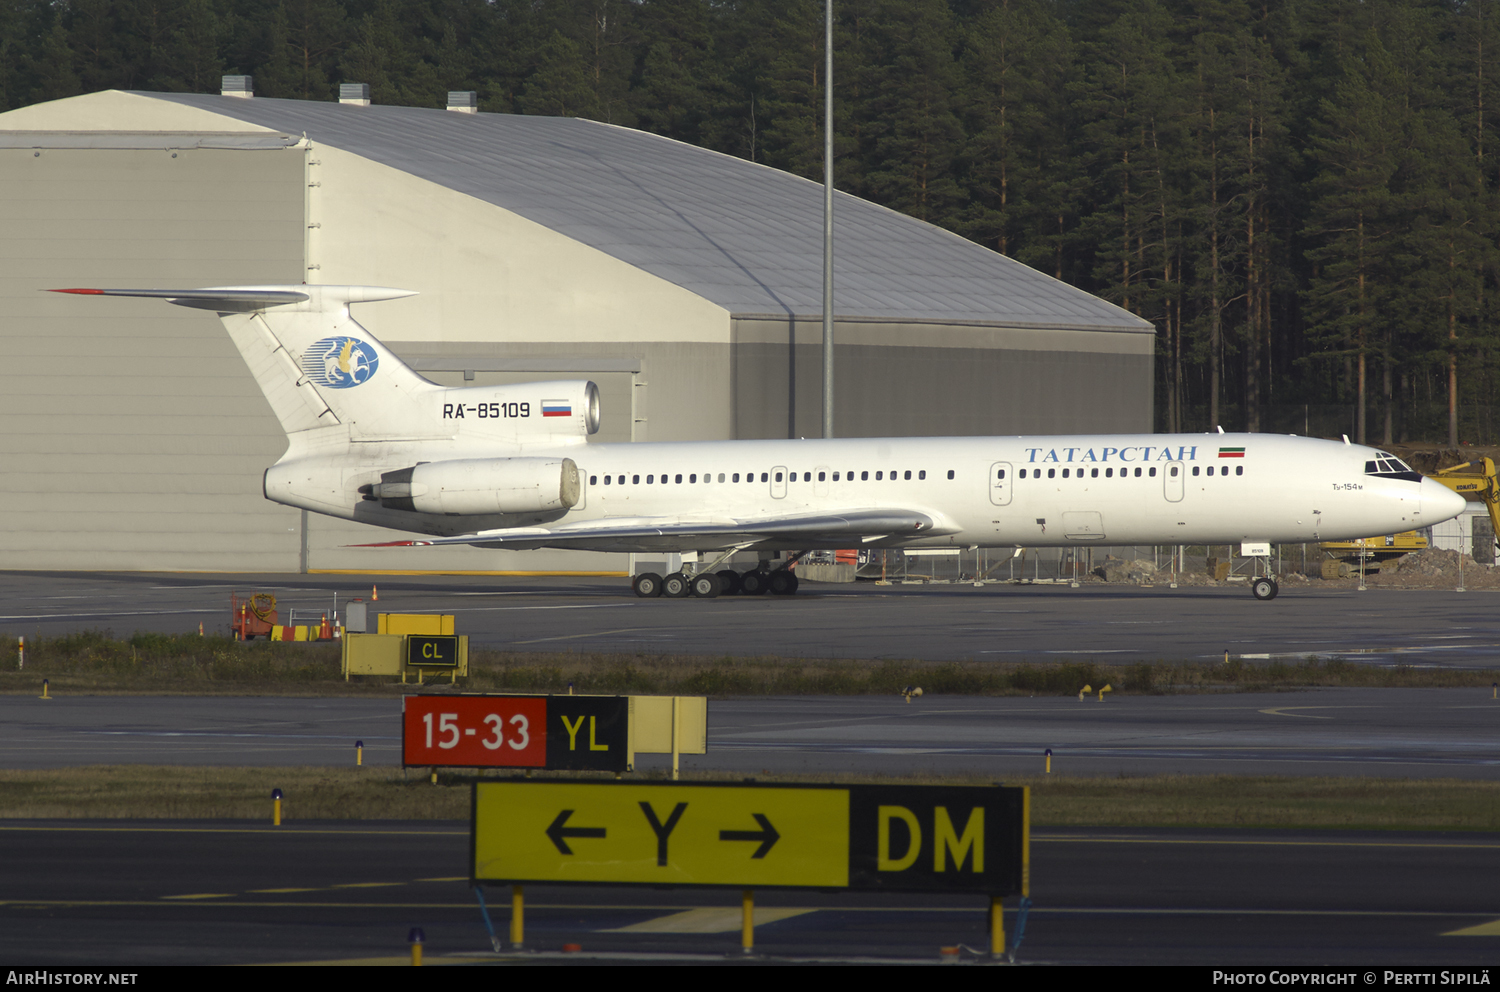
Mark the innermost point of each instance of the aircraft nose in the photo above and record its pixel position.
(1440, 503)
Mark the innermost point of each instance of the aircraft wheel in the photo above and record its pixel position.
(705, 586)
(647, 585)
(1264, 589)
(782, 583)
(753, 582)
(675, 586)
(729, 582)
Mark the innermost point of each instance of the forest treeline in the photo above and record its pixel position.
(1301, 195)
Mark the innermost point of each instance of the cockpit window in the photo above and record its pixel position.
(1388, 466)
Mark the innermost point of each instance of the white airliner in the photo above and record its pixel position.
(510, 467)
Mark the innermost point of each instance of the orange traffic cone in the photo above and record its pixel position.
(374, 594)
(200, 628)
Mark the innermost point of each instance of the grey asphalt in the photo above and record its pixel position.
(208, 892)
(1003, 622)
(1418, 733)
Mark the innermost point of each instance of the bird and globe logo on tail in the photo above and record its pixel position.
(340, 362)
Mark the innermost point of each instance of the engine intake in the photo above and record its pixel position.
(480, 485)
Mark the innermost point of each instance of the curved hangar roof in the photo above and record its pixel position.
(744, 236)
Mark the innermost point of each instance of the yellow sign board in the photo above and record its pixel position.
(915, 838)
(661, 834)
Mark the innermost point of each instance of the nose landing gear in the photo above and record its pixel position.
(1264, 588)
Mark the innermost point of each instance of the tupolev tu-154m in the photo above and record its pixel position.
(510, 467)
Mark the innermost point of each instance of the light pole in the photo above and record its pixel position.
(828, 218)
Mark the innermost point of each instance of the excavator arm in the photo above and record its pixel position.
(1481, 485)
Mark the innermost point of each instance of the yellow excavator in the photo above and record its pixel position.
(1474, 480)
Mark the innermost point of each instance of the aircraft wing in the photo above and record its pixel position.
(812, 530)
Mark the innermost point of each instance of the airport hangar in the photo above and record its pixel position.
(686, 283)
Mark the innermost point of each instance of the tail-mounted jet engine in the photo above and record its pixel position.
(479, 485)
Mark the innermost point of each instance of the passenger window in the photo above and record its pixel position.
(822, 476)
(607, 479)
(763, 477)
(835, 476)
(650, 479)
(721, 477)
(736, 477)
(908, 473)
(1023, 473)
(879, 476)
(864, 477)
(998, 475)
(635, 480)
(593, 480)
(1239, 470)
(1210, 470)
(1109, 473)
(1153, 472)
(679, 478)
(1093, 473)
(1002, 473)
(693, 478)
(1137, 473)
(778, 476)
(806, 476)
(1065, 473)
(1195, 470)
(922, 474)
(1052, 473)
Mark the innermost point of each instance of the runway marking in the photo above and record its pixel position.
(504, 609)
(133, 613)
(366, 885)
(1242, 842)
(455, 878)
(204, 895)
(1490, 929)
(243, 830)
(607, 907)
(718, 919)
(277, 892)
(1281, 711)
(597, 633)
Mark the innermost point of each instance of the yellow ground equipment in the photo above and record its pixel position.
(1478, 484)
(1388, 546)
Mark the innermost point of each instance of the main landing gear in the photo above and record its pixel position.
(1264, 588)
(709, 585)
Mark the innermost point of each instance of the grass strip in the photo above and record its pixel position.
(95, 662)
(174, 792)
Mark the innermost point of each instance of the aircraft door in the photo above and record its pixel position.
(1174, 481)
(778, 482)
(1000, 482)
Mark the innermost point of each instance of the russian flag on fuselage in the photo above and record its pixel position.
(557, 408)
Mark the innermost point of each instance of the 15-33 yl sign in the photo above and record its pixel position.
(575, 732)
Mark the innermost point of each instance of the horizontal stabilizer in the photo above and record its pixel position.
(223, 300)
(248, 299)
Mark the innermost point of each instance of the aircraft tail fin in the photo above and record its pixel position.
(315, 364)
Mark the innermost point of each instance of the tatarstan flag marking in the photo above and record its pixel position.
(1231, 452)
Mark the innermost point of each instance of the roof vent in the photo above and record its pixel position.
(237, 86)
(355, 94)
(463, 101)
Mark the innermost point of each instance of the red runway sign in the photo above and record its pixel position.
(479, 731)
